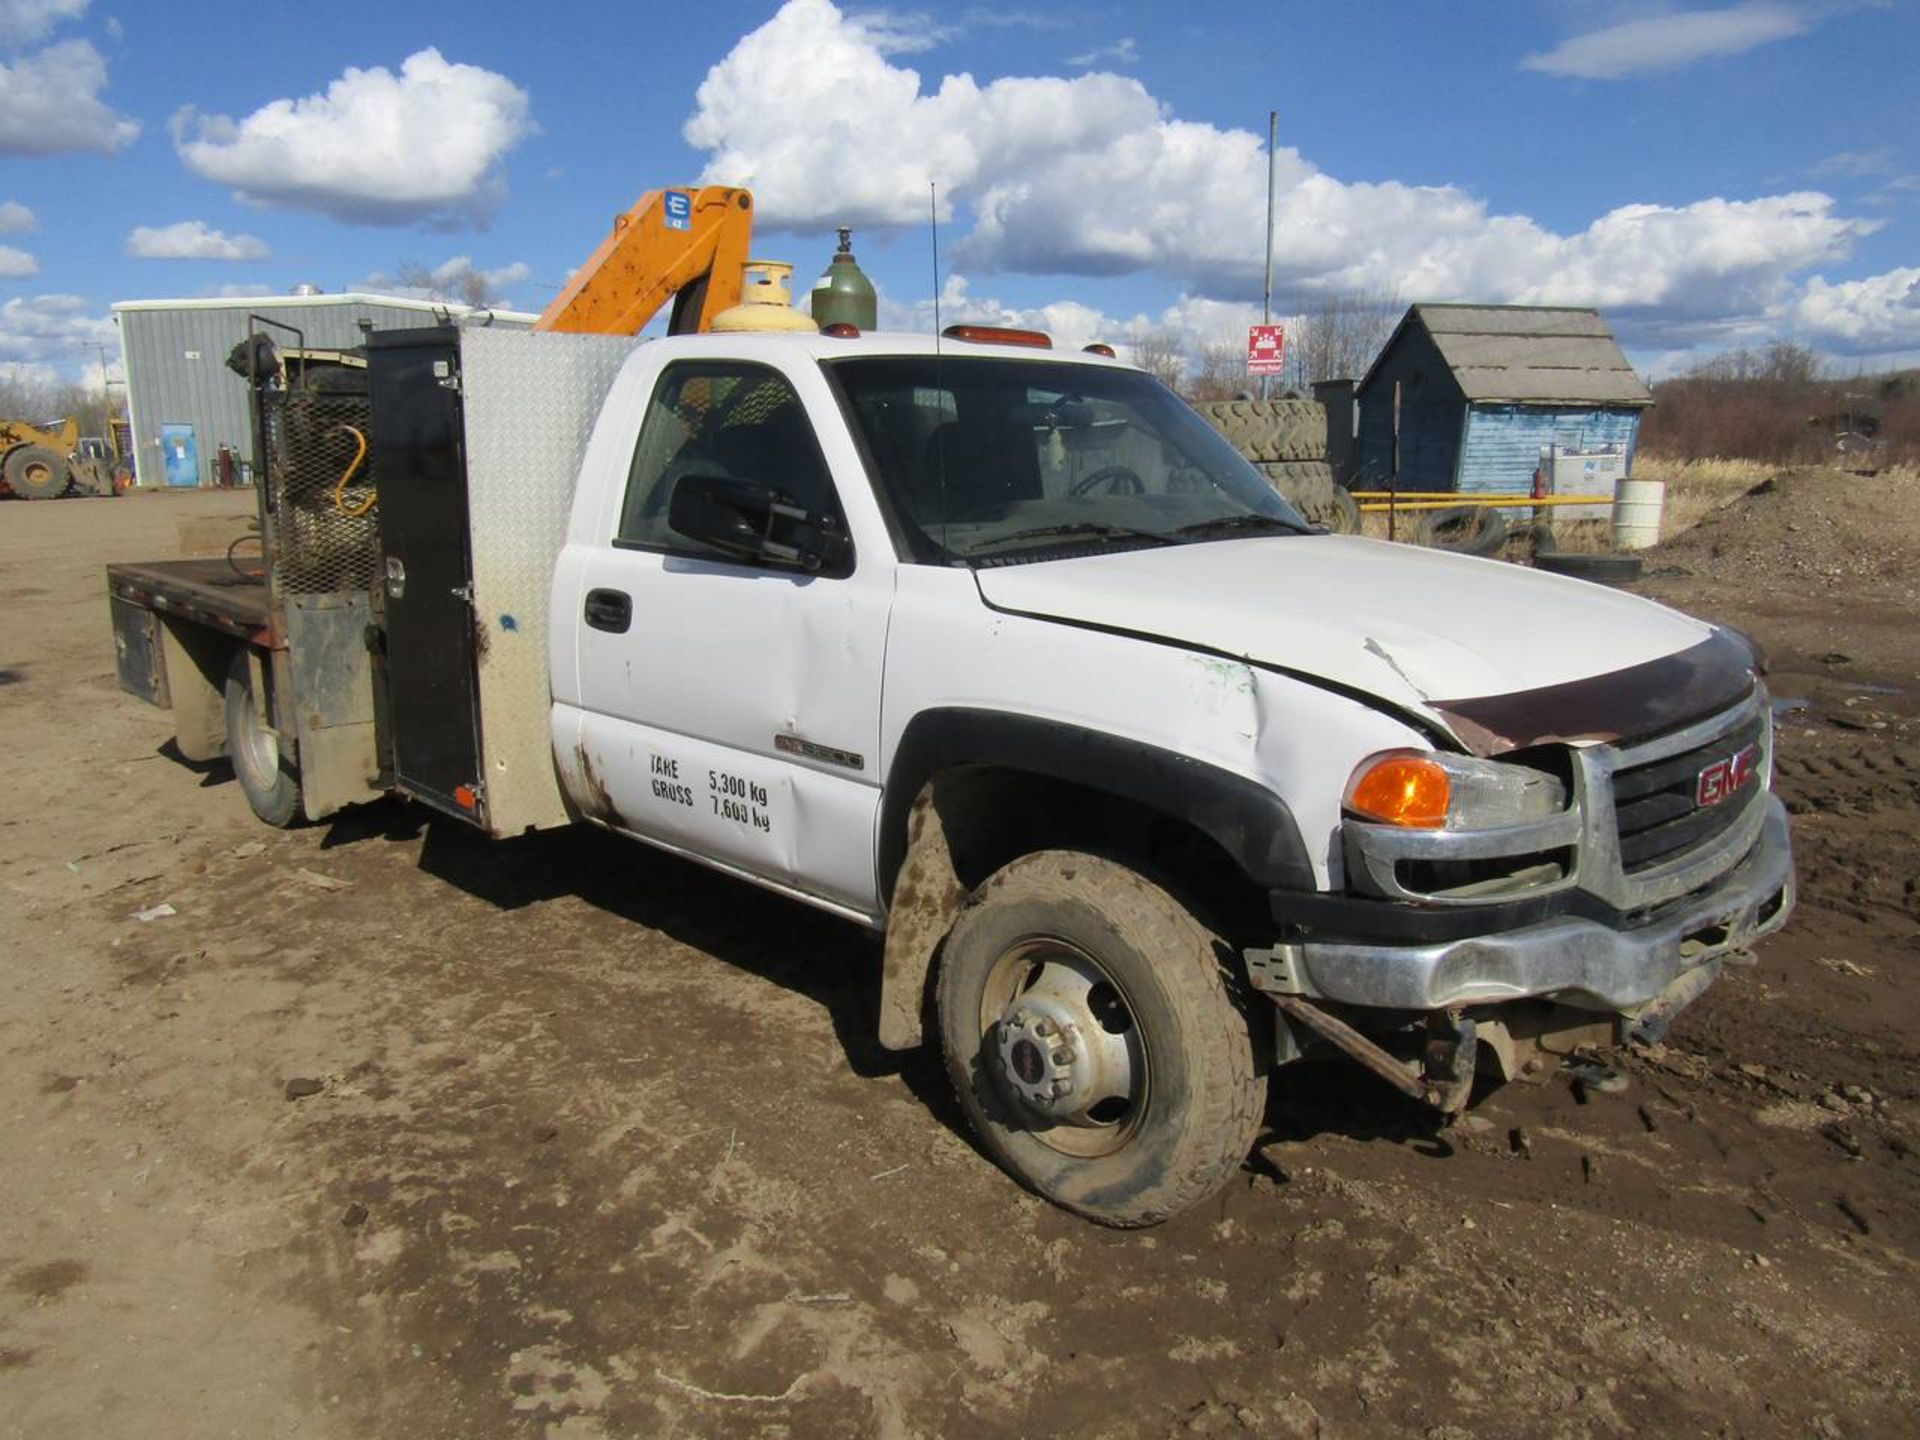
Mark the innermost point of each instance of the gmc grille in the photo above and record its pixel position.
(1655, 806)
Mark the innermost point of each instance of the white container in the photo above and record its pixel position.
(1637, 506)
(1580, 472)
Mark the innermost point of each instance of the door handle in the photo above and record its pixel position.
(610, 610)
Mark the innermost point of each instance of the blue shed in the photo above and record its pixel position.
(1482, 388)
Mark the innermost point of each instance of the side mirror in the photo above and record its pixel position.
(754, 521)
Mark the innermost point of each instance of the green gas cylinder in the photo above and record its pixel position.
(843, 295)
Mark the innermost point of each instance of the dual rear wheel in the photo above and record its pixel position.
(267, 776)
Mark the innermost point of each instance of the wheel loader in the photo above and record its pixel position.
(44, 462)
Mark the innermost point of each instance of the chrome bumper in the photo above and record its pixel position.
(1576, 962)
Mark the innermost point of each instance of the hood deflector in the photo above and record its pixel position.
(1638, 701)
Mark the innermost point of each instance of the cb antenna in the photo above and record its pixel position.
(933, 228)
(939, 448)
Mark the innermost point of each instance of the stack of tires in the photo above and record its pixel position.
(1287, 442)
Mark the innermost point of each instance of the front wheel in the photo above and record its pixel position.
(269, 780)
(1094, 1041)
(36, 473)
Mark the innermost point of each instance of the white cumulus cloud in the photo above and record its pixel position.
(16, 219)
(49, 331)
(24, 21)
(1093, 175)
(15, 264)
(1070, 323)
(424, 146)
(50, 103)
(193, 240)
(1669, 42)
(1874, 316)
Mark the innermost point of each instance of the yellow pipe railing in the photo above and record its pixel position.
(1373, 502)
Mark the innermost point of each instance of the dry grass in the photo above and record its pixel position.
(1695, 488)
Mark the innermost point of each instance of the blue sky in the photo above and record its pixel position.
(1710, 175)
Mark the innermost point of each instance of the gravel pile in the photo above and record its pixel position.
(1810, 531)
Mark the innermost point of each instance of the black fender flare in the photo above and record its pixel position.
(1247, 820)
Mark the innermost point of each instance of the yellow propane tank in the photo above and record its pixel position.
(766, 301)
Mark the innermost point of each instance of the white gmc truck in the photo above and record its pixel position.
(1003, 653)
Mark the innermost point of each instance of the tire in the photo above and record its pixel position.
(36, 473)
(1466, 530)
(269, 781)
(1165, 1089)
(1308, 477)
(1607, 569)
(1269, 432)
(1344, 517)
(1299, 430)
(1309, 487)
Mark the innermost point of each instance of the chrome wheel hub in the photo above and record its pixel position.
(1066, 1044)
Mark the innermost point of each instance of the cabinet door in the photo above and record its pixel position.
(728, 708)
(416, 455)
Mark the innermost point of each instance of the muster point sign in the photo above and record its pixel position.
(1266, 349)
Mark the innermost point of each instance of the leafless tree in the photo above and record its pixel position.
(1780, 363)
(467, 286)
(1779, 405)
(1158, 353)
(1220, 373)
(37, 401)
(1339, 335)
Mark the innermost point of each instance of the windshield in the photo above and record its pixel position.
(991, 460)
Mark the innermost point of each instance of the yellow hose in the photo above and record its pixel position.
(353, 512)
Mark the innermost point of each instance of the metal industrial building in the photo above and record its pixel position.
(1477, 392)
(187, 406)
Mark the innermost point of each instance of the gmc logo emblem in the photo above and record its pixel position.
(1727, 777)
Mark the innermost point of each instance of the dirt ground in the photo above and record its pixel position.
(599, 1144)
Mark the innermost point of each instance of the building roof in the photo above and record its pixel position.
(1527, 354)
(349, 297)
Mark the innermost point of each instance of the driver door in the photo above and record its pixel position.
(731, 709)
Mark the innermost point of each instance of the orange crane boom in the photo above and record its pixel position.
(687, 245)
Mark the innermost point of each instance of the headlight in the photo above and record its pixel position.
(1425, 790)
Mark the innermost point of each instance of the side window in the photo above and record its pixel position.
(724, 418)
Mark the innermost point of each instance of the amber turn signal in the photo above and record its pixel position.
(1409, 790)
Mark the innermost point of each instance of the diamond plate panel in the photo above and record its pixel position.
(530, 404)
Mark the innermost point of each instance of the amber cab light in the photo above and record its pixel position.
(841, 330)
(998, 335)
(1100, 348)
(1408, 790)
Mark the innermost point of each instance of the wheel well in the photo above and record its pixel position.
(969, 821)
(1008, 813)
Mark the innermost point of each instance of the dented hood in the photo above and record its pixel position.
(1497, 655)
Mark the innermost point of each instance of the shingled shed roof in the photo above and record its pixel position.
(1528, 354)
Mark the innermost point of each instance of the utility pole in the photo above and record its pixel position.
(1266, 304)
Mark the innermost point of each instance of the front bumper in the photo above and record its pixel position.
(1574, 961)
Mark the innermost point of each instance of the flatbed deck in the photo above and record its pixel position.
(208, 592)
